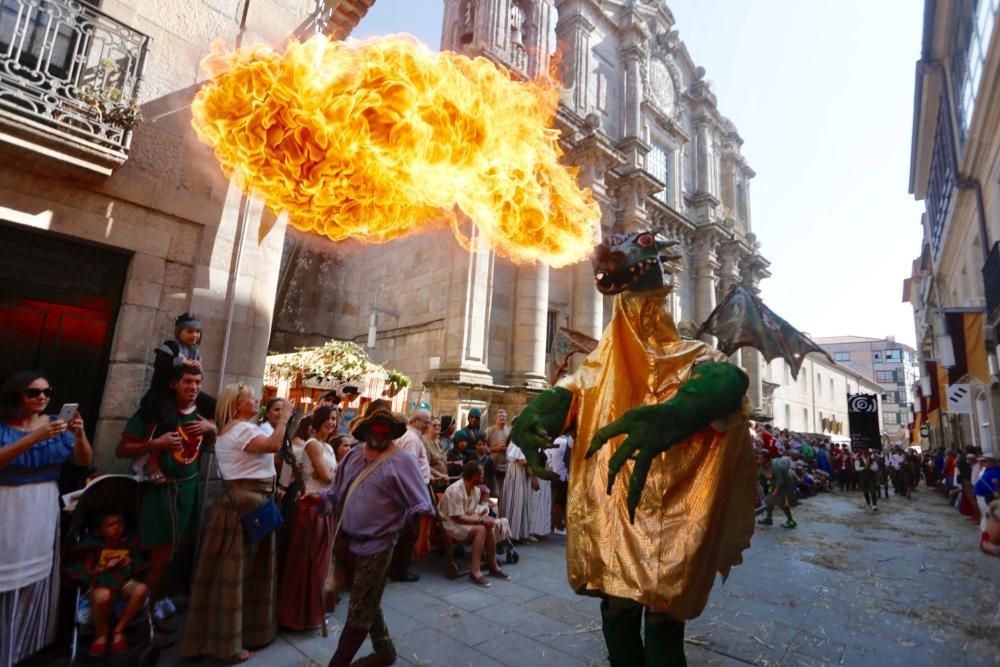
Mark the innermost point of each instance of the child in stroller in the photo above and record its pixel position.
(109, 566)
(106, 565)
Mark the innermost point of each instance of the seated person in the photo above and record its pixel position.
(464, 522)
(110, 562)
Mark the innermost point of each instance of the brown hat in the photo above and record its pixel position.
(378, 410)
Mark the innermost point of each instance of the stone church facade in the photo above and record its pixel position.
(643, 125)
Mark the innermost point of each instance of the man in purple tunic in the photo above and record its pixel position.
(376, 490)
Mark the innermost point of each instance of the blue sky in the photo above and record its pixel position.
(822, 94)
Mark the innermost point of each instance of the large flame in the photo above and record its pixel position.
(383, 138)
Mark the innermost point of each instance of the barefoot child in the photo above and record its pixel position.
(110, 564)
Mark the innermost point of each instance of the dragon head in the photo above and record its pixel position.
(635, 262)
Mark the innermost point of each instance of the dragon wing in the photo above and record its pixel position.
(742, 320)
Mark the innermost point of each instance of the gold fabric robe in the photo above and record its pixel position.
(696, 513)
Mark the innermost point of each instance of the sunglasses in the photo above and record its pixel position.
(34, 392)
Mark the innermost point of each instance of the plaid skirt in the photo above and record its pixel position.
(234, 591)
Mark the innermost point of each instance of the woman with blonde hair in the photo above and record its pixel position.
(234, 591)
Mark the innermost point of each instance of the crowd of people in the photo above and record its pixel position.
(337, 505)
(794, 466)
(332, 507)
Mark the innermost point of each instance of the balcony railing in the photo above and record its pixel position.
(69, 69)
(991, 281)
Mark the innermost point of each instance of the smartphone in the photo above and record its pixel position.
(67, 411)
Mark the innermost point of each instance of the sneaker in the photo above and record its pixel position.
(875, 509)
(764, 521)
(790, 524)
(170, 606)
(561, 533)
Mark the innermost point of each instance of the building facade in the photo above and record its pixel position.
(640, 121)
(954, 285)
(816, 400)
(108, 228)
(892, 366)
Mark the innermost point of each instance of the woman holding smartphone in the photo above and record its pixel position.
(33, 447)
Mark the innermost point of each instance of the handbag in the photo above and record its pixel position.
(259, 522)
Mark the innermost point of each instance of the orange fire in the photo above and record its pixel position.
(383, 138)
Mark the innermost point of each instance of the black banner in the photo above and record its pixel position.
(862, 416)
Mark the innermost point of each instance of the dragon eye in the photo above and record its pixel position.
(645, 240)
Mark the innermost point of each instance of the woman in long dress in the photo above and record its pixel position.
(516, 498)
(301, 603)
(540, 509)
(233, 595)
(33, 447)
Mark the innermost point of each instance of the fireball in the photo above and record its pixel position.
(380, 139)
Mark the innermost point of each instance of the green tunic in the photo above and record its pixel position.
(169, 511)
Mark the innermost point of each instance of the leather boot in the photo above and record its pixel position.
(351, 639)
(382, 657)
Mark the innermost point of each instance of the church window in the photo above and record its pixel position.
(658, 164)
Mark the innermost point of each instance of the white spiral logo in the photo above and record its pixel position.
(862, 403)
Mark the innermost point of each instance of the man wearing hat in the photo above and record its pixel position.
(376, 490)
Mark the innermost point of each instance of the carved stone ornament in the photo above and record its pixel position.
(661, 85)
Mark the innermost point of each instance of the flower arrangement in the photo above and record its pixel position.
(336, 361)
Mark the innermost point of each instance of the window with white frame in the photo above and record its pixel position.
(658, 164)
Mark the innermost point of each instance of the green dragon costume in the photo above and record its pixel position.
(653, 546)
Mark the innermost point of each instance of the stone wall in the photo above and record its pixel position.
(170, 206)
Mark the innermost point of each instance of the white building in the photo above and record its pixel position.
(815, 401)
(954, 285)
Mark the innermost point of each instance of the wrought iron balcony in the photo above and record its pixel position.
(991, 281)
(70, 73)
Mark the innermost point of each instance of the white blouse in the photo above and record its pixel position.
(313, 484)
(237, 463)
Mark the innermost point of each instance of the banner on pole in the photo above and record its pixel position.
(862, 418)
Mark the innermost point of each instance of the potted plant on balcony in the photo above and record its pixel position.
(105, 99)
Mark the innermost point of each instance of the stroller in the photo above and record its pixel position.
(108, 494)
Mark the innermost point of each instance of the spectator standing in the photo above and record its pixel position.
(376, 491)
(515, 503)
(435, 455)
(781, 488)
(169, 509)
(447, 433)
(472, 428)
(496, 439)
(184, 349)
(987, 487)
(272, 412)
(301, 603)
(411, 441)
(33, 447)
(234, 590)
(558, 463)
(896, 460)
(868, 478)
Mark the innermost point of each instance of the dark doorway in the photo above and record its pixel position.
(59, 299)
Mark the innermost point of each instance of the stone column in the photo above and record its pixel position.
(531, 306)
(705, 265)
(574, 30)
(467, 316)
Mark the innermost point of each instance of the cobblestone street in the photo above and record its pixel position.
(906, 586)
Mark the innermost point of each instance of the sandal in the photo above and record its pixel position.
(499, 574)
(98, 647)
(120, 644)
(242, 656)
(479, 580)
